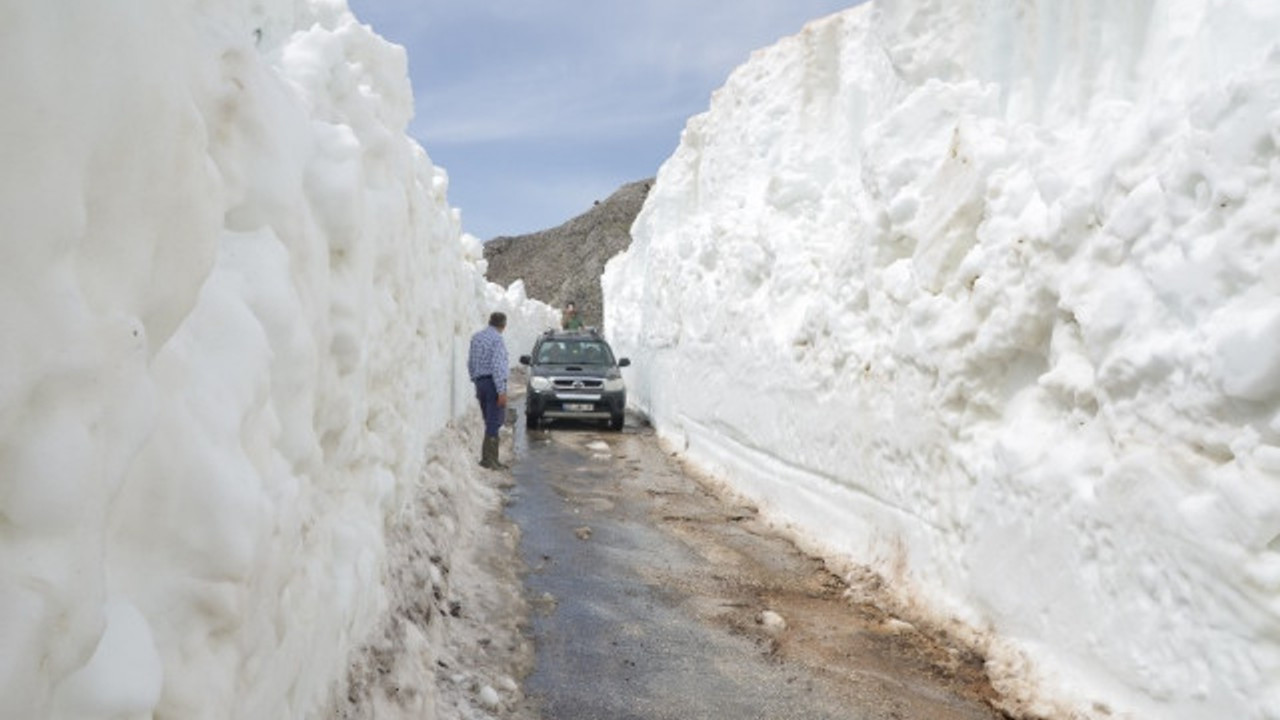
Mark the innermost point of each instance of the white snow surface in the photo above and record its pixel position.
(235, 306)
(985, 294)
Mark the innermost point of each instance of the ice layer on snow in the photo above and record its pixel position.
(234, 304)
(986, 294)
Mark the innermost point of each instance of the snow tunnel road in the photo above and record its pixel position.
(652, 598)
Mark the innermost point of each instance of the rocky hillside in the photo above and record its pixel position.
(565, 263)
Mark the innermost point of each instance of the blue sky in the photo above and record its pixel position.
(537, 108)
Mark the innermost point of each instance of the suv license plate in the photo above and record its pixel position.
(578, 407)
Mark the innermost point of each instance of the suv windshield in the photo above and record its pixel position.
(574, 352)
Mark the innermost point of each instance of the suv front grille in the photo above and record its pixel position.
(577, 383)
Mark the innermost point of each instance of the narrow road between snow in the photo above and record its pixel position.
(653, 598)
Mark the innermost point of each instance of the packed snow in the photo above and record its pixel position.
(235, 305)
(986, 295)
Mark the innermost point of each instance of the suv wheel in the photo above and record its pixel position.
(616, 422)
(531, 420)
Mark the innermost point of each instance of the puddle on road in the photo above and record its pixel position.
(653, 598)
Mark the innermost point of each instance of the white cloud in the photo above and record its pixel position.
(501, 69)
(572, 75)
(537, 117)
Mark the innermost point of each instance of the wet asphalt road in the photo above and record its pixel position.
(610, 644)
(635, 616)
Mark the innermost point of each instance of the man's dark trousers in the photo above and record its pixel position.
(487, 394)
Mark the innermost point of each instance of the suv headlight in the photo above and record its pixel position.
(614, 385)
(539, 383)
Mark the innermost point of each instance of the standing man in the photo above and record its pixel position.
(488, 367)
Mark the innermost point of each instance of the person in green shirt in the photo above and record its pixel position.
(570, 320)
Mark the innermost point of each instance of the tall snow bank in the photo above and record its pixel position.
(234, 306)
(985, 294)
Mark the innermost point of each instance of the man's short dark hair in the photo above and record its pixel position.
(498, 320)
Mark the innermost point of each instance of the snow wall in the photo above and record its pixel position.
(234, 306)
(986, 294)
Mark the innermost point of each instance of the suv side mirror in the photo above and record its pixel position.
(525, 360)
(624, 362)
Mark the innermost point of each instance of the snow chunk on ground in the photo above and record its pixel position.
(453, 630)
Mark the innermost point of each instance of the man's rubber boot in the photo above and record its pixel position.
(492, 444)
(488, 454)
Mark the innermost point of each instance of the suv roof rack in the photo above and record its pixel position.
(578, 332)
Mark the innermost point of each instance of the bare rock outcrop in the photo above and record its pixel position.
(565, 263)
